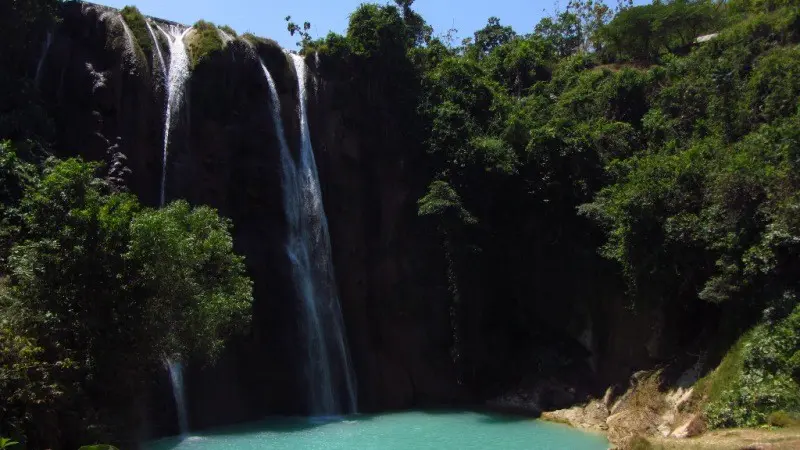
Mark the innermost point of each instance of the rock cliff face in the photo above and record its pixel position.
(390, 268)
(223, 152)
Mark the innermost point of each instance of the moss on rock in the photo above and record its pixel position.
(203, 41)
(138, 26)
(227, 29)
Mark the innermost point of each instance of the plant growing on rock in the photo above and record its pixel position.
(203, 41)
(138, 26)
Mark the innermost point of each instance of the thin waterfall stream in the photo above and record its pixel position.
(308, 247)
(177, 76)
(176, 378)
(45, 50)
(158, 49)
(318, 284)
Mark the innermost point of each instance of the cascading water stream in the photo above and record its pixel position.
(177, 76)
(158, 49)
(226, 38)
(130, 41)
(45, 50)
(176, 378)
(309, 251)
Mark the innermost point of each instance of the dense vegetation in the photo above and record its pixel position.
(599, 150)
(95, 289)
(204, 40)
(619, 135)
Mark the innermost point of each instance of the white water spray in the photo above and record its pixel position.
(130, 42)
(309, 250)
(177, 76)
(226, 38)
(176, 378)
(157, 46)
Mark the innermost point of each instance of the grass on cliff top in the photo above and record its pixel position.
(258, 40)
(230, 31)
(203, 41)
(138, 26)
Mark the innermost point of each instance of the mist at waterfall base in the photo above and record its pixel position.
(408, 430)
(175, 369)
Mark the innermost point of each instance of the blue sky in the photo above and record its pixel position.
(266, 17)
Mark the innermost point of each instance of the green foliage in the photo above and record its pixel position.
(782, 419)
(773, 88)
(229, 31)
(16, 176)
(293, 28)
(203, 42)
(97, 281)
(377, 32)
(195, 287)
(418, 31)
(563, 33)
(763, 382)
(30, 384)
(491, 36)
(591, 15)
(443, 200)
(520, 63)
(7, 443)
(138, 26)
(643, 33)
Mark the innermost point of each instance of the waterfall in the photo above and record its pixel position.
(45, 50)
(130, 41)
(277, 120)
(176, 378)
(176, 81)
(176, 76)
(309, 250)
(158, 49)
(226, 38)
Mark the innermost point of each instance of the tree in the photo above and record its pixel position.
(419, 31)
(592, 15)
(293, 28)
(564, 33)
(645, 32)
(379, 33)
(193, 286)
(96, 281)
(491, 36)
(520, 63)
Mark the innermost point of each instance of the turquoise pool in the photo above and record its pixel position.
(407, 430)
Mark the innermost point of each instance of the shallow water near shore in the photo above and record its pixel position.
(407, 430)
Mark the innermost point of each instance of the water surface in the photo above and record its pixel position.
(400, 431)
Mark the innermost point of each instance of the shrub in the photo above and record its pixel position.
(782, 419)
(203, 41)
(138, 26)
(762, 383)
(230, 31)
